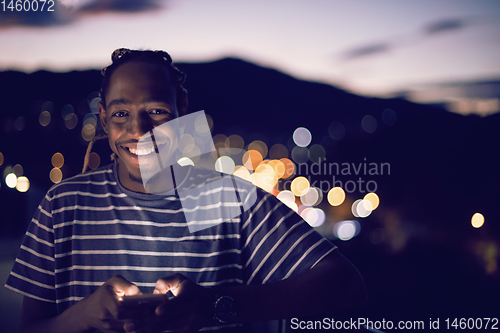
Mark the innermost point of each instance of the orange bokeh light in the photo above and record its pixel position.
(289, 168)
(251, 159)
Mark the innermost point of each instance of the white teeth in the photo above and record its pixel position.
(141, 151)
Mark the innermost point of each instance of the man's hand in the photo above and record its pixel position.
(190, 310)
(331, 285)
(101, 309)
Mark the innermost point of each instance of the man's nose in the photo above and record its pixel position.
(141, 124)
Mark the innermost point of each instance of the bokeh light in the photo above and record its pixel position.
(361, 208)
(90, 119)
(6, 171)
(224, 164)
(288, 198)
(336, 130)
(299, 185)
(373, 198)
(242, 172)
(278, 167)
(18, 170)
(186, 143)
(19, 123)
(210, 122)
(57, 160)
(346, 230)
(389, 117)
(88, 132)
(44, 118)
(300, 154)
(311, 196)
(314, 216)
(265, 177)
(1, 158)
(200, 124)
(251, 159)
(220, 143)
(23, 184)
(278, 151)
(70, 121)
(317, 153)
(48, 106)
(55, 175)
(235, 141)
(195, 152)
(11, 180)
(219, 138)
(477, 220)
(185, 161)
(289, 168)
(260, 146)
(302, 137)
(94, 160)
(336, 196)
(93, 104)
(67, 110)
(369, 123)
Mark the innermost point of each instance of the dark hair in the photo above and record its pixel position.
(122, 56)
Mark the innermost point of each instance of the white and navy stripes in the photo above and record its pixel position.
(89, 228)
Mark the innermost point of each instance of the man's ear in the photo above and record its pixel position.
(102, 116)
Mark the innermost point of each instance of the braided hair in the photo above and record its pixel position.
(122, 56)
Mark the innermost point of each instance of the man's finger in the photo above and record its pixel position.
(123, 287)
(116, 287)
(170, 283)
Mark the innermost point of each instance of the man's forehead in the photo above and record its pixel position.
(142, 73)
(142, 78)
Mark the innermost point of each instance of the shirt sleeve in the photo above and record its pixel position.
(277, 243)
(33, 272)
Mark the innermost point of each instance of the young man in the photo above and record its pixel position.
(100, 236)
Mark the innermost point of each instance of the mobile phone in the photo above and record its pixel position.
(143, 300)
(137, 306)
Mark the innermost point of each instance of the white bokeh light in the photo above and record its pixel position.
(346, 230)
(302, 137)
(314, 216)
(185, 161)
(225, 164)
(11, 180)
(361, 208)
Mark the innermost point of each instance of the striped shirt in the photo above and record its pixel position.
(89, 228)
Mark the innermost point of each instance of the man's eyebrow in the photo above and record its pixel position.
(122, 101)
(119, 102)
(157, 100)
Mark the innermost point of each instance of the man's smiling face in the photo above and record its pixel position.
(139, 98)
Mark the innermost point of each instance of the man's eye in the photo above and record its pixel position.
(120, 114)
(158, 111)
